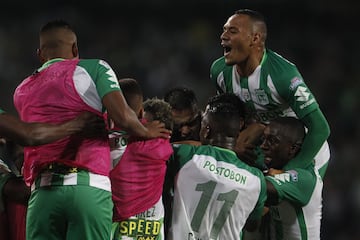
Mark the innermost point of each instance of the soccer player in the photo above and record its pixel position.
(14, 194)
(215, 193)
(269, 85)
(293, 194)
(118, 137)
(73, 168)
(137, 181)
(186, 114)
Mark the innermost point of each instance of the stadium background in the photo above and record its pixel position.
(172, 43)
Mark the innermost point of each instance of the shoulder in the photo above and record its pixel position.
(278, 66)
(218, 66)
(93, 63)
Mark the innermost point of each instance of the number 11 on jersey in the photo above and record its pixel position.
(207, 190)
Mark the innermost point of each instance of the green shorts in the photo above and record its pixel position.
(69, 212)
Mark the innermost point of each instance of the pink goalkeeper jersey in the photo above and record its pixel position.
(50, 96)
(137, 180)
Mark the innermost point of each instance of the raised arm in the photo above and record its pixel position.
(318, 132)
(125, 118)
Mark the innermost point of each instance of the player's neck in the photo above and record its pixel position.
(247, 67)
(223, 141)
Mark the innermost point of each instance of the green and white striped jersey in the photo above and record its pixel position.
(275, 88)
(215, 193)
(298, 214)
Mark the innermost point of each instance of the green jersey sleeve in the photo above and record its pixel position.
(257, 213)
(1, 111)
(318, 132)
(290, 85)
(295, 186)
(218, 68)
(102, 74)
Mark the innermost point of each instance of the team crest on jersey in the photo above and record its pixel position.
(296, 81)
(261, 96)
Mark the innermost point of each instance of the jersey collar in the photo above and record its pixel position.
(264, 57)
(48, 63)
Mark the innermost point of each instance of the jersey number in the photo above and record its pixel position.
(207, 190)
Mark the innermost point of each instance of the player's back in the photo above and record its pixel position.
(214, 193)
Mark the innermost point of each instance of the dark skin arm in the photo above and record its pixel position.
(125, 118)
(272, 194)
(247, 141)
(32, 134)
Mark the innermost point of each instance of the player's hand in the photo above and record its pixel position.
(157, 129)
(246, 142)
(273, 172)
(90, 125)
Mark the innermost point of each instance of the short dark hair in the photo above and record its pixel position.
(132, 92)
(252, 14)
(257, 18)
(226, 111)
(226, 103)
(181, 98)
(292, 128)
(130, 86)
(56, 24)
(160, 110)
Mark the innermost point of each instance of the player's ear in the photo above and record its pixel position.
(40, 55)
(75, 50)
(207, 132)
(294, 149)
(242, 124)
(141, 113)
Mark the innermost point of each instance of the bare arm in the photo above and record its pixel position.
(272, 194)
(31, 134)
(125, 118)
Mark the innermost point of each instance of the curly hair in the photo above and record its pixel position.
(160, 110)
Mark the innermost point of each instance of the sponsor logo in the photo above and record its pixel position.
(226, 172)
(139, 228)
(293, 175)
(302, 94)
(304, 105)
(111, 74)
(267, 116)
(283, 177)
(296, 81)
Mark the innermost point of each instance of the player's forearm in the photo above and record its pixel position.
(122, 115)
(29, 134)
(39, 133)
(132, 125)
(318, 132)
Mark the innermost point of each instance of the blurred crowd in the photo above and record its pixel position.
(165, 45)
